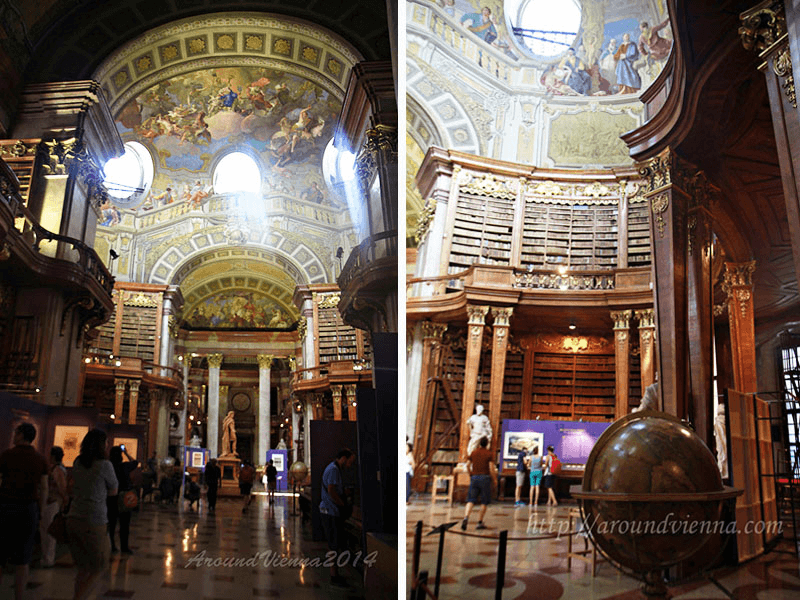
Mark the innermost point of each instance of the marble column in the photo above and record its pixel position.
(414, 385)
(477, 315)
(350, 392)
(622, 343)
(264, 401)
(308, 416)
(295, 432)
(500, 329)
(119, 399)
(185, 408)
(647, 331)
(738, 285)
(214, 364)
(133, 401)
(162, 432)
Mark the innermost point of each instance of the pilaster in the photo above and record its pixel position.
(475, 326)
(214, 365)
(738, 286)
(647, 330)
(622, 344)
(500, 329)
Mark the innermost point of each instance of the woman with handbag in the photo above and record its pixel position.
(93, 479)
(57, 500)
(121, 505)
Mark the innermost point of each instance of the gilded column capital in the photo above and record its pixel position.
(621, 318)
(214, 360)
(380, 148)
(134, 384)
(265, 360)
(293, 363)
(477, 314)
(666, 169)
(336, 390)
(120, 384)
(502, 315)
(646, 317)
(737, 283)
(350, 391)
(433, 330)
(763, 30)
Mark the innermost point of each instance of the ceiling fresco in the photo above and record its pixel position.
(189, 120)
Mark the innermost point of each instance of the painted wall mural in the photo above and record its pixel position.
(238, 310)
(190, 120)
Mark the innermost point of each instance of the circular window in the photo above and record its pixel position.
(237, 172)
(128, 177)
(545, 28)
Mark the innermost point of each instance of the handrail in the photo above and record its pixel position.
(87, 259)
(366, 253)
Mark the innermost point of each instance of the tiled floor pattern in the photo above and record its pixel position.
(164, 539)
(537, 569)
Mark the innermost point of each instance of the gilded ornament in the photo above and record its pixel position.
(310, 54)
(197, 45)
(214, 360)
(18, 149)
(548, 188)
(169, 53)
(141, 300)
(225, 42)
(329, 300)
(302, 328)
(659, 204)
(424, 220)
(253, 42)
(762, 25)
(502, 315)
(646, 317)
(477, 314)
(489, 185)
(334, 67)
(743, 296)
(433, 330)
(575, 344)
(621, 318)
(264, 360)
(596, 190)
(692, 227)
(782, 67)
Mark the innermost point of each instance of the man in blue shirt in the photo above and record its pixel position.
(333, 507)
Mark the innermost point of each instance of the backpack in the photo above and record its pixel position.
(555, 466)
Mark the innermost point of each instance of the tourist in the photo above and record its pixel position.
(57, 500)
(334, 508)
(522, 461)
(117, 513)
(213, 475)
(272, 481)
(536, 461)
(549, 479)
(247, 475)
(409, 470)
(482, 472)
(23, 494)
(87, 522)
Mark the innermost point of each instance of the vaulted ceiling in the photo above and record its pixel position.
(68, 39)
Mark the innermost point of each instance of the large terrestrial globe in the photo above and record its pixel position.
(651, 492)
(298, 472)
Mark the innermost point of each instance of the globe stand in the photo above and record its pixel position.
(652, 475)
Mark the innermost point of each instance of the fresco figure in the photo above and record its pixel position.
(481, 24)
(553, 80)
(449, 6)
(577, 77)
(628, 78)
(608, 64)
(110, 214)
(227, 97)
(313, 193)
(651, 44)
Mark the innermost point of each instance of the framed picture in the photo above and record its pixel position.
(69, 437)
(514, 441)
(197, 460)
(277, 462)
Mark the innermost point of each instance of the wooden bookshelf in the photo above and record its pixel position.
(511, 404)
(573, 386)
(482, 232)
(638, 234)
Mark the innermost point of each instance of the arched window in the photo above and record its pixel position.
(543, 27)
(237, 172)
(128, 177)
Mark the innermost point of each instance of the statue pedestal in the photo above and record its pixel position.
(229, 466)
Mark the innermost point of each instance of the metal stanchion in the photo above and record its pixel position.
(418, 593)
(417, 546)
(501, 565)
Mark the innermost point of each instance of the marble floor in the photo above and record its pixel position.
(537, 568)
(165, 538)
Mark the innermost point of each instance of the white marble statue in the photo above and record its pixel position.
(195, 442)
(650, 398)
(479, 427)
(281, 445)
(721, 440)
